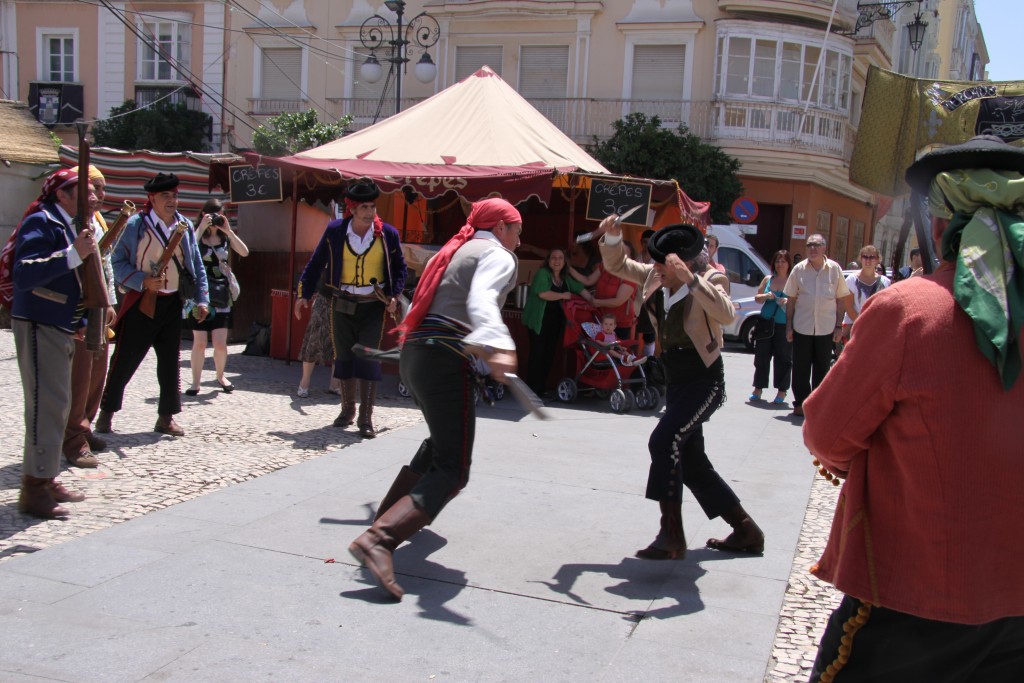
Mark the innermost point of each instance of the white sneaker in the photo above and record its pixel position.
(302, 393)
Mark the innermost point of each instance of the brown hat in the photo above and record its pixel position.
(680, 238)
(161, 183)
(982, 151)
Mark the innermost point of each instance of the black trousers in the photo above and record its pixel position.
(365, 325)
(677, 450)
(136, 334)
(812, 357)
(543, 348)
(442, 384)
(888, 646)
(778, 349)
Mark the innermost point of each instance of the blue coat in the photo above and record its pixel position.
(330, 252)
(46, 290)
(124, 257)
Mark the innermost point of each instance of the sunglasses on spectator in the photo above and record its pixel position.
(871, 257)
(815, 245)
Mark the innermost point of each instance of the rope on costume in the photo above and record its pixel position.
(850, 628)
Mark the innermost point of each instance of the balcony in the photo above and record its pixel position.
(262, 107)
(732, 122)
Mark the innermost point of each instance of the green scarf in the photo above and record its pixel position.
(985, 237)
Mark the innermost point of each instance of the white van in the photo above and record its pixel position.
(745, 269)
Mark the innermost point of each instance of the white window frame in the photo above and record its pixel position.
(269, 42)
(43, 34)
(555, 105)
(178, 19)
(685, 36)
(497, 68)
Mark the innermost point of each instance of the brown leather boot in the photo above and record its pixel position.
(746, 536)
(61, 494)
(367, 395)
(103, 421)
(96, 444)
(348, 404)
(670, 543)
(374, 549)
(35, 499)
(401, 487)
(165, 424)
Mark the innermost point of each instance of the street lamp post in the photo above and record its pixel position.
(870, 12)
(422, 31)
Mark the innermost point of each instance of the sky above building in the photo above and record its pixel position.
(1002, 37)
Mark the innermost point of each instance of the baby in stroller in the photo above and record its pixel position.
(606, 335)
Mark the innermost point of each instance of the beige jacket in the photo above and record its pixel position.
(705, 311)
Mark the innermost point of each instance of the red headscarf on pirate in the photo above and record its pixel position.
(361, 191)
(485, 215)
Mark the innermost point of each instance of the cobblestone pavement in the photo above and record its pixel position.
(263, 427)
(230, 438)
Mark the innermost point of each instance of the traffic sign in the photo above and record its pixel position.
(744, 210)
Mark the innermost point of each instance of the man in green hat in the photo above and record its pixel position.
(921, 416)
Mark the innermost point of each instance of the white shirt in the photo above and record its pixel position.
(816, 293)
(74, 260)
(359, 245)
(494, 270)
(858, 295)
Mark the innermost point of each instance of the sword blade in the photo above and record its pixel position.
(629, 213)
(525, 397)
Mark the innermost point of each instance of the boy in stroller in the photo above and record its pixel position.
(606, 335)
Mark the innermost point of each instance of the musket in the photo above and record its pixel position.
(94, 285)
(113, 234)
(148, 302)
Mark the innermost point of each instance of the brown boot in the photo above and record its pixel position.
(375, 547)
(82, 458)
(367, 394)
(400, 488)
(746, 536)
(103, 421)
(670, 543)
(61, 494)
(165, 424)
(348, 404)
(96, 444)
(35, 499)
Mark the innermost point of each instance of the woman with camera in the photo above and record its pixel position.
(216, 241)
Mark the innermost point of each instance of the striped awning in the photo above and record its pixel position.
(127, 172)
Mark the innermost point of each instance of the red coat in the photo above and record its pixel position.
(929, 519)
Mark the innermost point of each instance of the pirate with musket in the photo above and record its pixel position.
(365, 273)
(157, 263)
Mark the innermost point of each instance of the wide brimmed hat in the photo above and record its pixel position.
(985, 151)
(680, 238)
(161, 183)
(362, 190)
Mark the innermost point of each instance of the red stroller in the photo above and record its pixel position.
(600, 374)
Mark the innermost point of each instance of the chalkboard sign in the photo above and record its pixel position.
(609, 197)
(255, 184)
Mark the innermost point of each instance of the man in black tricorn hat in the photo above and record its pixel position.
(921, 415)
(365, 273)
(689, 316)
(182, 286)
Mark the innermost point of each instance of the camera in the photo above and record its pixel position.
(217, 220)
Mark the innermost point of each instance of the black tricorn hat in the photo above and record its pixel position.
(983, 151)
(679, 238)
(362, 190)
(162, 182)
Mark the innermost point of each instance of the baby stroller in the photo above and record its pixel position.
(600, 374)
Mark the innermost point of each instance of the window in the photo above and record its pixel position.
(841, 240)
(543, 79)
(281, 73)
(658, 81)
(769, 68)
(738, 266)
(469, 59)
(824, 225)
(166, 47)
(59, 58)
(858, 237)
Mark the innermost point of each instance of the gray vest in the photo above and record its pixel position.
(451, 295)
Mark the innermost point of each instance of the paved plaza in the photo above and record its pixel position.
(207, 558)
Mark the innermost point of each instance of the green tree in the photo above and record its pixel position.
(160, 128)
(641, 147)
(291, 133)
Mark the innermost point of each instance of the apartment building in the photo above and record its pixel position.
(747, 75)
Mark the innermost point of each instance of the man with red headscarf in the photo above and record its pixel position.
(455, 321)
(363, 259)
(45, 310)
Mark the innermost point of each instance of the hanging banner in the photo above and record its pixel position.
(902, 115)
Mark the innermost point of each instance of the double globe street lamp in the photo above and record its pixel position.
(422, 31)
